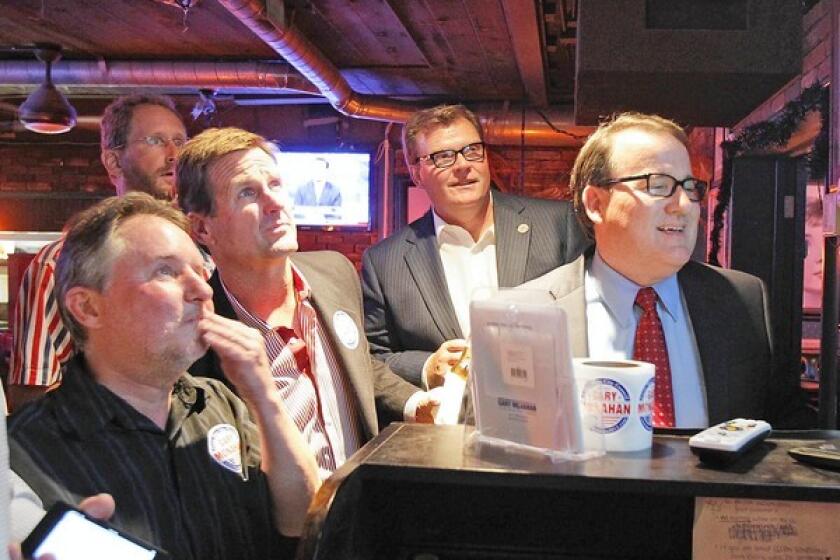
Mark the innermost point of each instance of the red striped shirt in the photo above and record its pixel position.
(41, 342)
(321, 404)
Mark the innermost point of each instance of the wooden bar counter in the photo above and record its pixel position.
(423, 493)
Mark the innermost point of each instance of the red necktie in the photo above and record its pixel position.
(649, 346)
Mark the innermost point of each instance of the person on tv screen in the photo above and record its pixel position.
(318, 191)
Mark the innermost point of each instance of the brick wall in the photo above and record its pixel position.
(546, 171)
(54, 167)
(350, 244)
(75, 168)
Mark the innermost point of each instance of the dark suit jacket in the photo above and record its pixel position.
(330, 196)
(335, 286)
(731, 322)
(408, 312)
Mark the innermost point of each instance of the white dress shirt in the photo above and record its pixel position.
(611, 319)
(467, 264)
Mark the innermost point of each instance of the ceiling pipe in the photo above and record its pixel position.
(502, 126)
(507, 126)
(159, 73)
(307, 59)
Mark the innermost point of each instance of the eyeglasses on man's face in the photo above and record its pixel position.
(156, 141)
(662, 185)
(446, 158)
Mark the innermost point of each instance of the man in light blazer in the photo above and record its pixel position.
(417, 283)
(307, 307)
(634, 192)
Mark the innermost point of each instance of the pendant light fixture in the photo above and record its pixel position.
(46, 110)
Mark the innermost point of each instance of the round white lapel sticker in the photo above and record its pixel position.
(223, 446)
(346, 330)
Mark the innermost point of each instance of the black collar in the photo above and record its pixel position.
(83, 406)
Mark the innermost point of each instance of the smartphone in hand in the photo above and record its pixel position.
(70, 534)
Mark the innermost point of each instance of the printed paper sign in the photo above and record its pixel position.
(730, 528)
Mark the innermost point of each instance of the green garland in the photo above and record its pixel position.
(770, 134)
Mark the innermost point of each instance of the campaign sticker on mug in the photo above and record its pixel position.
(646, 405)
(611, 400)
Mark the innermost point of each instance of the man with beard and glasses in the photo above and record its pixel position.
(141, 136)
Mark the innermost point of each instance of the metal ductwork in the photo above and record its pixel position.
(264, 75)
(502, 126)
(514, 126)
(305, 57)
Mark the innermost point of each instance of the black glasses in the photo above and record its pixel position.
(447, 158)
(662, 185)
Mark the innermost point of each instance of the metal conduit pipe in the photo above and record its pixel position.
(309, 61)
(501, 126)
(505, 126)
(159, 73)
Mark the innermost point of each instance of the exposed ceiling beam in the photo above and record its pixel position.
(523, 24)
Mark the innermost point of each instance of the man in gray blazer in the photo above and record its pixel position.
(635, 194)
(417, 283)
(306, 307)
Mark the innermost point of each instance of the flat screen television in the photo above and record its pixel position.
(329, 188)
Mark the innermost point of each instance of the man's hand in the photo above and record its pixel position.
(241, 351)
(100, 506)
(442, 360)
(286, 460)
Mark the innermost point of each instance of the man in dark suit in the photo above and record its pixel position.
(417, 283)
(307, 307)
(318, 191)
(635, 194)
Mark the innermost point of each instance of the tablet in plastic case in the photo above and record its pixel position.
(523, 383)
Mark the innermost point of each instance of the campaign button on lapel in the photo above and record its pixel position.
(346, 330)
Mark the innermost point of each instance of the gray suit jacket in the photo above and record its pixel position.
(330, 196)
(730, 317)
(408, 312)
(335, 286)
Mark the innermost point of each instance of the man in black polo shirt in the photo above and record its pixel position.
(190, 470)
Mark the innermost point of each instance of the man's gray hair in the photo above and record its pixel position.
(89, 249)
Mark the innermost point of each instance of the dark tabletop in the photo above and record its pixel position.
(766, 471)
